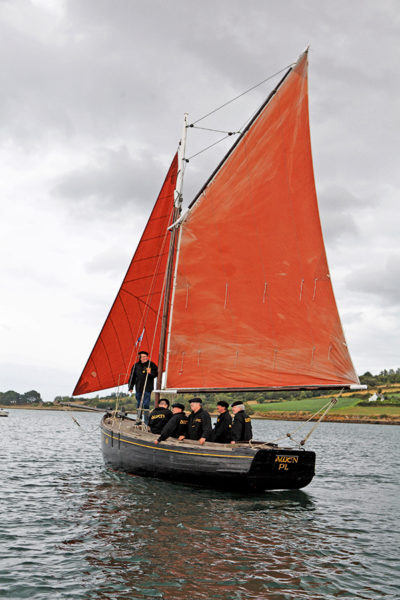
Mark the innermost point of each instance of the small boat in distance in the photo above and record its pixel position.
(3, 413)
(233, 295)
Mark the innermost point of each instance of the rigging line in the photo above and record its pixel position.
(242, 94)
(208, 147)
(216, 130)
(143, 320)
(332, 403)
(140, 409)
(324, 408)
(303, 424)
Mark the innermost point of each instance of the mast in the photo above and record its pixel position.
(170, 261)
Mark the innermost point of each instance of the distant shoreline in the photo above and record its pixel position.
(286, 416)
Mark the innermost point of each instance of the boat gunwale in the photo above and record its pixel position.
(192, 447)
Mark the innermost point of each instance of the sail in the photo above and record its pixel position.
(253, 304)
(133, 321)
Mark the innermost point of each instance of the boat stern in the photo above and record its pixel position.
(281, 469)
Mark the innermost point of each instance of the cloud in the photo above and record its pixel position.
(337, 206)
(380, 280)
(93, 95)
(111, 181)
(109, 262)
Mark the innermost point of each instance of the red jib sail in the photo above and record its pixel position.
(253, 301)
(136, 310)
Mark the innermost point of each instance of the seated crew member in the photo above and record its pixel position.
(199, 422)
(159, 416)
(177, 424)
(222, 428)
(142, 378)
(241, 429)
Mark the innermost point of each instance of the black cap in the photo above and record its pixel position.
(223, 403)
(164, 400)
(237, 403)
(143, 352)
(199, 400)
(178, 405)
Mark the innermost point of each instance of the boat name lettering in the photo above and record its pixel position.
(286, 459)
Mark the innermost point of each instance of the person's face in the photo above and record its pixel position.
(176, 410)
(236, 409)
(221, 409)
(163, 404)
(195, 406)
(143, 358)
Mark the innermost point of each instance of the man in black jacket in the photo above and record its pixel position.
(199, 422)
(241, 430)
(176, 426)
(160, 416)
(142, 378)
(222, 428)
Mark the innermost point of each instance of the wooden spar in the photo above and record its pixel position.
(170, 262)
(276, 388)
(81, 406)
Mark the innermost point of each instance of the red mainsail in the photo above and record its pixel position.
(136, 309)
(253, 302)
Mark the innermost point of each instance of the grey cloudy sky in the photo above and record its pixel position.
(92, 98)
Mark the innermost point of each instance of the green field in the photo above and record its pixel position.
(345, 406)
(306, 405)
(369, 411)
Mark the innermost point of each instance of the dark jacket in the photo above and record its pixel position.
(199, 425)
(241, 430)
(138, 376)
(222, 429)
(176, 426)
(158, 418)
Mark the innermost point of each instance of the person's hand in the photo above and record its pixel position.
(202, 440)
(156, 441)
(232, 442)
(181, 437)
(148, 370)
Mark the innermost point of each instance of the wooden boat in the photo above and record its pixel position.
(253, 466)
(3, 413)
(232, 295)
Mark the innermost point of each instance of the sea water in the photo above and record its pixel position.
(70, 528)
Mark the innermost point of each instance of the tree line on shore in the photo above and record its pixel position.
(15, 398)
(32, 397)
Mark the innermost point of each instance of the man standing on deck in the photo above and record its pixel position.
(199, 422)
(222, 428)
(160, 416)
(241, 430)
(142, 378)
(176, 426)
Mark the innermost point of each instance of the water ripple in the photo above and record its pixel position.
(77, 530)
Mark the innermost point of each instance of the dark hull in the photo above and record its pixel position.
(243, 466)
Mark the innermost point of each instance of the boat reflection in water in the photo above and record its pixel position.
(176, 542)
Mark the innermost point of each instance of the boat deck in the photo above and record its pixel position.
(129, 427)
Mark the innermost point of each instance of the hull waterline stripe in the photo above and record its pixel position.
(177, 451)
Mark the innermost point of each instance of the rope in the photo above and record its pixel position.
(87, 431)
(210, 146)
(142, 324)
(242, 94)
(332, 402)
(326, 406)
(143, 320)
(140, 409)
(215, 130)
